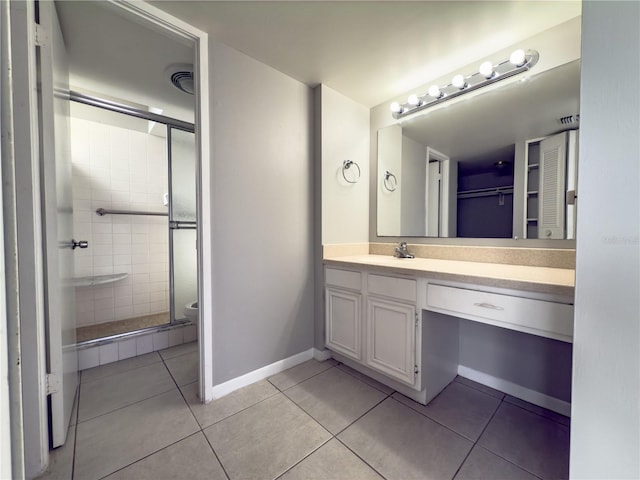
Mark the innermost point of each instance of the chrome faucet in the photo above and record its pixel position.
(402, 252)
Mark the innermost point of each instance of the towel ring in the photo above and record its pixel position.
(345, 166)
(390, 185)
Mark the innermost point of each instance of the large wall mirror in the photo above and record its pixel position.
(502, 164)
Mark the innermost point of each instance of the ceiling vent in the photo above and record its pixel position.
(570, 120)
(181, 77)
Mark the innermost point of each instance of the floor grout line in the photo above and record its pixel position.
(128, 405)
(359, 457)
(477, 439)
(124, 371)
(75, 436)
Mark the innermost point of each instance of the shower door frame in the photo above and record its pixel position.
(170, 124)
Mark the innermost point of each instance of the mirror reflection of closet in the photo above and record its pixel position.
(492, 145)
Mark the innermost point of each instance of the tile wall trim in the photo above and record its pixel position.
(229, 386)
(122, 348)
(518, 391)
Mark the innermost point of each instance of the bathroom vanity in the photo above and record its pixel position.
(396, 320)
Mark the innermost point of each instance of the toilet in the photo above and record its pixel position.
(191, 311)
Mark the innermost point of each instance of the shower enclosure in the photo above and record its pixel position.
(135, 174)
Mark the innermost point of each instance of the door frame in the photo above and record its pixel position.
(182, 30)
(23, 236)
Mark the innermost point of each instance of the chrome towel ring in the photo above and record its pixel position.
(389, 184)
(345, 166)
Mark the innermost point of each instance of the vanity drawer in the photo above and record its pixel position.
(399, 288)
(343, 278)
(539, 317)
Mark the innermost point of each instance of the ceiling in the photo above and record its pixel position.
(369, 51)
(112, 56)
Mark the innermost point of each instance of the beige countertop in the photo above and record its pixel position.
(558, 281)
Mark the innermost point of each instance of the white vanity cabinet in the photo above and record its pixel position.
(391, 327)
(343, 307)
(404, 329)
(384, 335)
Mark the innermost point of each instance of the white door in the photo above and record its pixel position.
(344, 322)
(391, 339)
(433, 199)
(57, 217)
(551, 195)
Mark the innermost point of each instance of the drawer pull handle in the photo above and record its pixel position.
(488, 305)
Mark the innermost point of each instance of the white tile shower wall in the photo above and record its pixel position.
(122, 169)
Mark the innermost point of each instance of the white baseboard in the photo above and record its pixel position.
(515, 390)
(260, 374)
(321, 355)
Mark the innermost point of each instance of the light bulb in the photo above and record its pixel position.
(459, 82)
(396, 107)
(486, 69)
(413, 100)
(434, 91)
(518, 58)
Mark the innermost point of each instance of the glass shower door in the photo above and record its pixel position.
(182, 224)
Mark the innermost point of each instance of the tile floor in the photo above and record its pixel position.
(140, 419)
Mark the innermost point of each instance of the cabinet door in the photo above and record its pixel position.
(343, 322)
(391, 339)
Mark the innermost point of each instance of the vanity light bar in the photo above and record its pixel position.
(488, 73)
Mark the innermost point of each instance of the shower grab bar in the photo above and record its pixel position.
(183, 225)
(104, 211)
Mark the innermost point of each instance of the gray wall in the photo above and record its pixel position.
(341, 132)
(605, 430)
(533, 362)
(262, 225)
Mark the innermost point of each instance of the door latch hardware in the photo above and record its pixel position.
(79, 244)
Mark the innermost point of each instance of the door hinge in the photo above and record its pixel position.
(416, 370)
(53, 383)
(42, 36)
(417, 320)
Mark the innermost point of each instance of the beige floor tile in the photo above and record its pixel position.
(478, 386)
(300, 373)
(266, 439)
(117, 391)
(113, 441)
(368, 380)
(462, 409)
(533, 442)
(184, 368)
(482, 465)
(119, 367)
(228, 405)
(191, 458)
(178, 350)
(400, 443)
(334, 398)
(332, 461)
